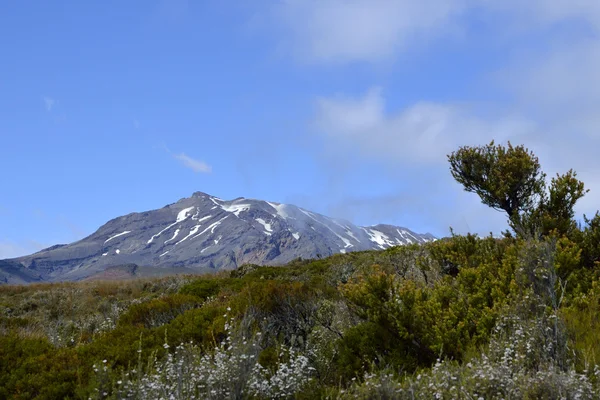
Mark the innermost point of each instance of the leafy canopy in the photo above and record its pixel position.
(506, 178)
(510, 179)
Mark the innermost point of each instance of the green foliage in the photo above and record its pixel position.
(582, 318)
(202, 288)
(159, 311)
(505, 178)
(554, 213)
(409, 324)
(510, 179)
(31, 368)
(268, 357)
(349, 316)
(567, 257)
(202, 325)
(558, 208)
(589, 242)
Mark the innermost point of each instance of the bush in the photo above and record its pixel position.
(202, 288)
(159, 311)
(32, 368)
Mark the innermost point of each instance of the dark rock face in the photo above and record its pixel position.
(205, 233)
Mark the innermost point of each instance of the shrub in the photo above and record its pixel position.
(159, 311)
(202, 288)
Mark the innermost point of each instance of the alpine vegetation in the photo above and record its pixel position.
(463, 317)
(229, 371)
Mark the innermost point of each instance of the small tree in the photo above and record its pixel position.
(510, 179)
(506, 178)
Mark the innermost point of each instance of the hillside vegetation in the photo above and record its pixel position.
(460, 318)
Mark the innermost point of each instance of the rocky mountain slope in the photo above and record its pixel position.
(203, 233)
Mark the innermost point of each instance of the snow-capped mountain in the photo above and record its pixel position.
(202, 233)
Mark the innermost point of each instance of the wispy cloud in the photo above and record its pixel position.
(136, 123)
(422, 133)
(335, 31)
(410, 145)
(49, 102)
(193, 164)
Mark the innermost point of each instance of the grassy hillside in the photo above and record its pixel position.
(463, 317)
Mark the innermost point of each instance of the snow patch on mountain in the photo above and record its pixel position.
(349, 233)
(343, 239)
(380, 238)
(280, 209)
(346, 242)
(181, 216)
(404, 234)
(236, 209)
(174, 236)
(267, 226)
(116, 236)
(204, 218)
(212, 227)
(191, 233)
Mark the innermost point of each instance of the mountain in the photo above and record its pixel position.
(204, 233)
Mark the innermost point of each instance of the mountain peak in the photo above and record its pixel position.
(200, 194)
(204, 233)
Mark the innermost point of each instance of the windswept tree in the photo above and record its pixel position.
(505, 178)
(510, 179)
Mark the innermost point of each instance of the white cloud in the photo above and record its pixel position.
(136, 124)
(341, 31)
(411, 145)
(193, 164)
(422, 133)
(49, 102)
(332, 31)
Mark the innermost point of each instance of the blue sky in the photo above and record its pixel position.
(344, 107)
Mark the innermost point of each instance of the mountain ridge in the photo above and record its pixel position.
(205, 233)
